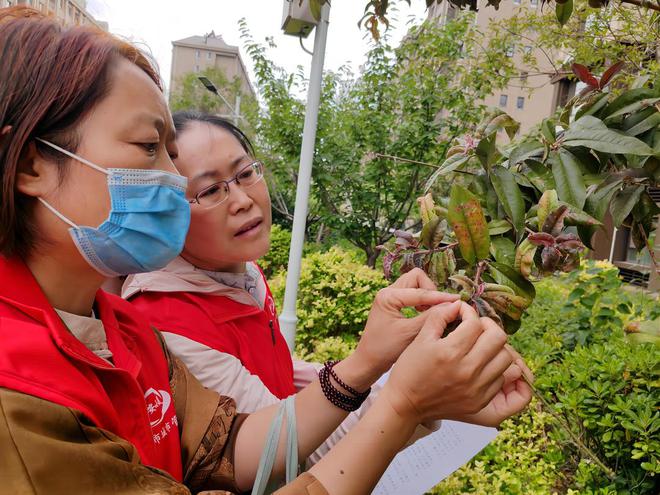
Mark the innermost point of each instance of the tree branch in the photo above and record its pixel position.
(643, 3)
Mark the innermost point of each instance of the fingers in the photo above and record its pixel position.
(517, 358)
(489, 344)
(399, 298)
(415, 278)
(467, 333)
(437, 319)
(498, 366)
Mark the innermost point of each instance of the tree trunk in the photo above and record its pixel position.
(372, 256)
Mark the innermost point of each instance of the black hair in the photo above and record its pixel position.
(183, 118)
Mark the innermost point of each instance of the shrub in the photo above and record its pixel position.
(605, 387)
(523, 459)
(334, 296)
(277, 257)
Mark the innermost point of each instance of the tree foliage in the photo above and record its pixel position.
(526, 210)
(407, 102)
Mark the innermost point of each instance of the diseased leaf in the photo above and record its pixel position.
(568, 178)
(548, 202)
(548, 130)
(468, 221)
(487, 151)
(627, 98)
(510, 196)
(593, 133)
(506, 275)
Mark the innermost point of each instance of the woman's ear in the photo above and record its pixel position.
(36, 176)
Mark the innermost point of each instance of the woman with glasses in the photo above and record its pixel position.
(91, 400)
(213, 303)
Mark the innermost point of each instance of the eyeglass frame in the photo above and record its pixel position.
(227, 183)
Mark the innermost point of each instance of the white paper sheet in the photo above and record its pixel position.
(431, 459)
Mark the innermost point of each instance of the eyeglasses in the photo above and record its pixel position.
(216, 193)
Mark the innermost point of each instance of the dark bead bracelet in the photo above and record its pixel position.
(330, 365)
(346, 402)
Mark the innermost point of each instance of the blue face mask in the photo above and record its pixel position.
(147, 225)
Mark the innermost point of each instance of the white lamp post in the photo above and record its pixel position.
(297, 21)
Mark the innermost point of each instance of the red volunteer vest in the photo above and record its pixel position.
(247, 332)
(39, 356)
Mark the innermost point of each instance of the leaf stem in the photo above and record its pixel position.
(564, 425)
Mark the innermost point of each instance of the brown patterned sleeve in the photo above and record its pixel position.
(208, 425)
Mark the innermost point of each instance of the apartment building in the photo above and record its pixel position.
(70, 12)
(197, 53)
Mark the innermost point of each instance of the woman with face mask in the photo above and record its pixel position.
(90, 399)
(213, 303)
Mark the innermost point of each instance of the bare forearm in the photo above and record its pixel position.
(316, 419)
(357, 462)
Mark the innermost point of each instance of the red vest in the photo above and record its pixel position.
(39, 356)
(247, 332)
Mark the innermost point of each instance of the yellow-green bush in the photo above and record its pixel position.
(334, 296)
(277, 257)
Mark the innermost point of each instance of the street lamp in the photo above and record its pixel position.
(297, 23)
(208, 84)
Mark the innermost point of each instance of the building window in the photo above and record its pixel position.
(534, 3)
(516, 2)
(504, 99)
(197, 54)
(509, 52)
(209, 55)
(523, 77)
(197, 68)
(520, 103)
(527, 50)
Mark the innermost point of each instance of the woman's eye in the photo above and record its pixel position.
(210, 191)
(150, 148)
(245, 175)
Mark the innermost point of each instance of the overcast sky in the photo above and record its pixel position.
(156, 23)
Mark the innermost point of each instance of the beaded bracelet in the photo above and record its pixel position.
(336, 397)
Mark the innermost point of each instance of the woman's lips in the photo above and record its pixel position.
(250, 230)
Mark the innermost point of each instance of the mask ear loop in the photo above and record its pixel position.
(57, 213)
(74, 156)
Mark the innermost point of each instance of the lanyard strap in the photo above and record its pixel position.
(286, 410)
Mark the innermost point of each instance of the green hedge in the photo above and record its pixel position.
(277, 257)
(335, 294)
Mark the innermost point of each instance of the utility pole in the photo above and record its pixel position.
(288, 317)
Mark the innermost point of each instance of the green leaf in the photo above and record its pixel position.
(593, 133)
(548, 130)
(502, 121)
(525, 150)
(564, 11)
(633, 107)
(487, 151)
(568, 178)
(503, 250)
(540, 175)
(507, 275)
(510, 196)
(646, 124)
(593, 105)
(449, 165)
(628, 98)
(497, 227)
(624, 202)
(468, 221)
